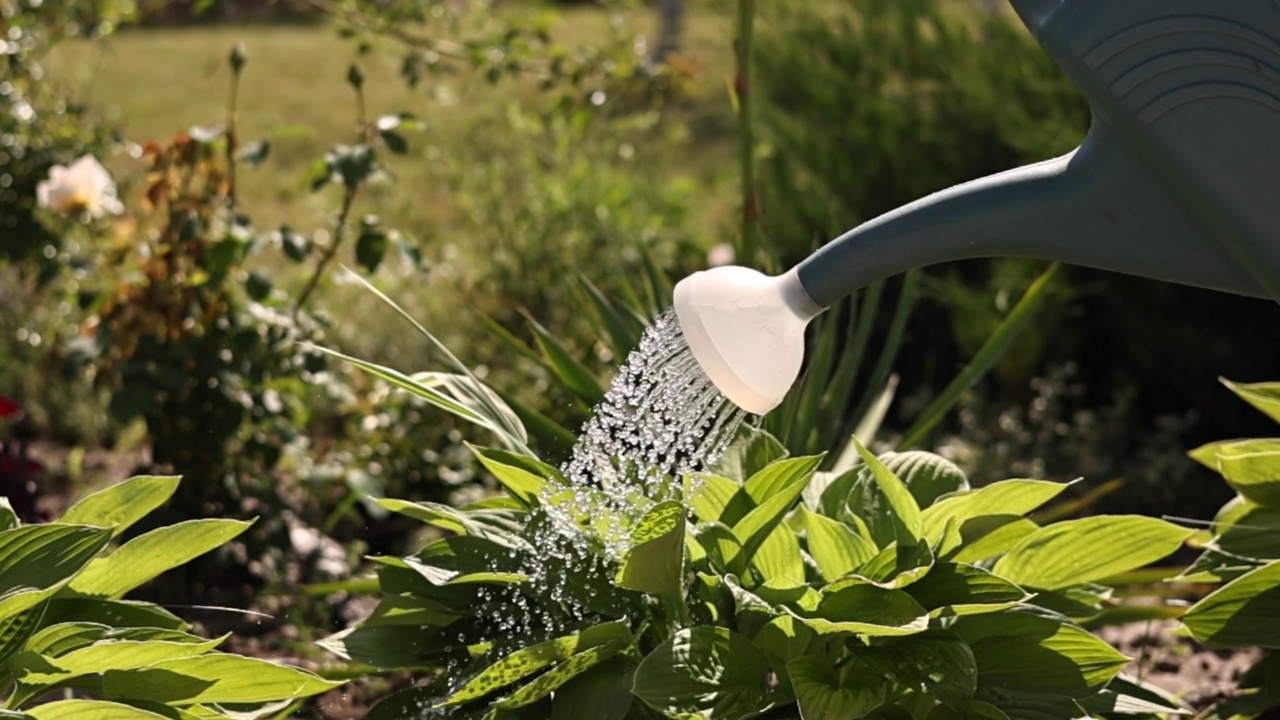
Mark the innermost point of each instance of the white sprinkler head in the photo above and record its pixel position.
(746, 330)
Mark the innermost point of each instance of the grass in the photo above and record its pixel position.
(157, 82)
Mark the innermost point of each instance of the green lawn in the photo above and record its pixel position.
(159, 82)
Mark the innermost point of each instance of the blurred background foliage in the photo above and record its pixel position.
(479, 163)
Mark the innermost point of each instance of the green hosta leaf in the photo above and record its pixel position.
(1253, 535)
(523, 663)
(1208, 454)
(906, 511)
(36, 561)
(995, 536)
(214, 678)
(779, 560)
(1037, 652)
(523, 485)
(710, 671)
(390, 647)
(1020, 705)
(936, 664)
(801, 596)
(781, 477)
(16, 629)
(783, 639)
(399, 611)
(836, 549)
(952, 589)
(926, 475)
(1008, 497)
(113, 613)
(825, 693)
(834, 500)
(1129, 696)
(1242, 612)
(1255, 475)
(120, 506)
(35, 673)
(896, 566)
(90, 709)
(750, 453)
(146, 556)
(709, 495)
(723, 549)
(1088, 549)
(868, 610)
(783, 482)
(562, 673)
(1215, 567)
(601, 693)
(1264, 396)
(55, 640)
(655, 562)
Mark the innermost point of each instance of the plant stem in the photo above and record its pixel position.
(746, 130)
(233, 101)
(339, 225)
(339, 234)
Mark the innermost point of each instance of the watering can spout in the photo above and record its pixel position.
(1094, 207)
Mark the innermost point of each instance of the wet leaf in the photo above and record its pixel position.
(826, 693)
(709, 670)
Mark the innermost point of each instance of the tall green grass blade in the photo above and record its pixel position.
(512, 341)
(478, 393)
(805, 418)
(987, 355)
(893, 341)
(623, 335)
(660, 285)
(553, 438)
(572, 373)
(844, 380)
(491, 422)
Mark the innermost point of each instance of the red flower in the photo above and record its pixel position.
(9, 408)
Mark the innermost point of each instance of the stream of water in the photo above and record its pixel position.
(661, 420)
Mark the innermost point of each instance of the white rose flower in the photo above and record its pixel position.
(721, 254)
(84, 187)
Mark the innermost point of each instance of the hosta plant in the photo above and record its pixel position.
(1242, 552)
(762, 589)
(72, 647)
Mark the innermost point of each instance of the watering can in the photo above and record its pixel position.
(1178, 179)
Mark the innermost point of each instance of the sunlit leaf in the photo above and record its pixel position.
(1242, 612)
(709, 670)
(1088, 549)
(824, 692)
